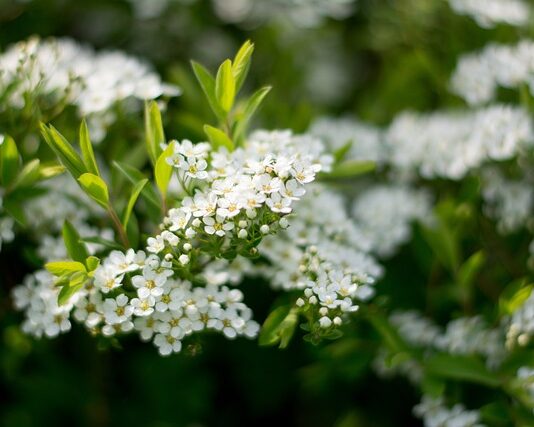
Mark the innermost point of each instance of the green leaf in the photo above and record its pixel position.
(14, 209)
(241, 64)
(163, 171)
(243, 118)
(132, 231)
(75, 284)
(154, 134)
(60, 268)
(96, 188)
(443, 243)
(75, 248)
(9, 160)
(341, 152)
(470, 268)
(50, 171)
(279, 327)
(218, 138)
(207, 83)
(513, 296)
(225, 86)
(110, 244)
(461, 368)
(350, 169)
(92, 263)
(133, 175)
(388, 333)
(28, 175)
(88, 154)
(136, 190)
(63, 150)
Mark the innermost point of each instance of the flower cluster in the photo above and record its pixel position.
(242, 195)
(324, 255)
(489, 13)
(478, 75)
(303, 14)
(63, 72)
(450, 145)
(508, 201)
(38, 298)
(385, 213)
(157, 306)
(462, 336)
(176, 287)
(435, 413)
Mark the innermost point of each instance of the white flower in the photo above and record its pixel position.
(179, 219)
(303, 172)
(278, 203)
(155, 244)
(193, 151)
(143, 306)
(122, 262)
(292, 190)
(267, 184)
(149, 284)
(167, 344)
(229, 206)
(217, 226)
(117, 310)
(195, 168)
(106, 278)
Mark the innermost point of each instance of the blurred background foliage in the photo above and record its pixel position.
(386, 56)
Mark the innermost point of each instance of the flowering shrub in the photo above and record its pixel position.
(387, 255)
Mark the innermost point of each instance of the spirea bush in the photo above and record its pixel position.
(397, 251)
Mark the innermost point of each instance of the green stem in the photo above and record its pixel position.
(120, 229)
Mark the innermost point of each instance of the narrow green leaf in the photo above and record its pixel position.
(132, 231)
(389, 334)
(241, 64)
(96, 188)
(28, 175)
(513, 296)
(76, 283)
(75, 248)
(63, 150)
(154, 134)
(14, 209)
(9, 160)
(50, 171)
(341, 152)
(60, 268)
(462, 368)
(133, 175)
(443, 243)
(470, 268)
(163, 171)
(207, 83)
(244, 117)
(136, 191)
(350, 169)
(218, 138)
(279, 327)
(88, 154)
(97, 240)
(225, 86)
